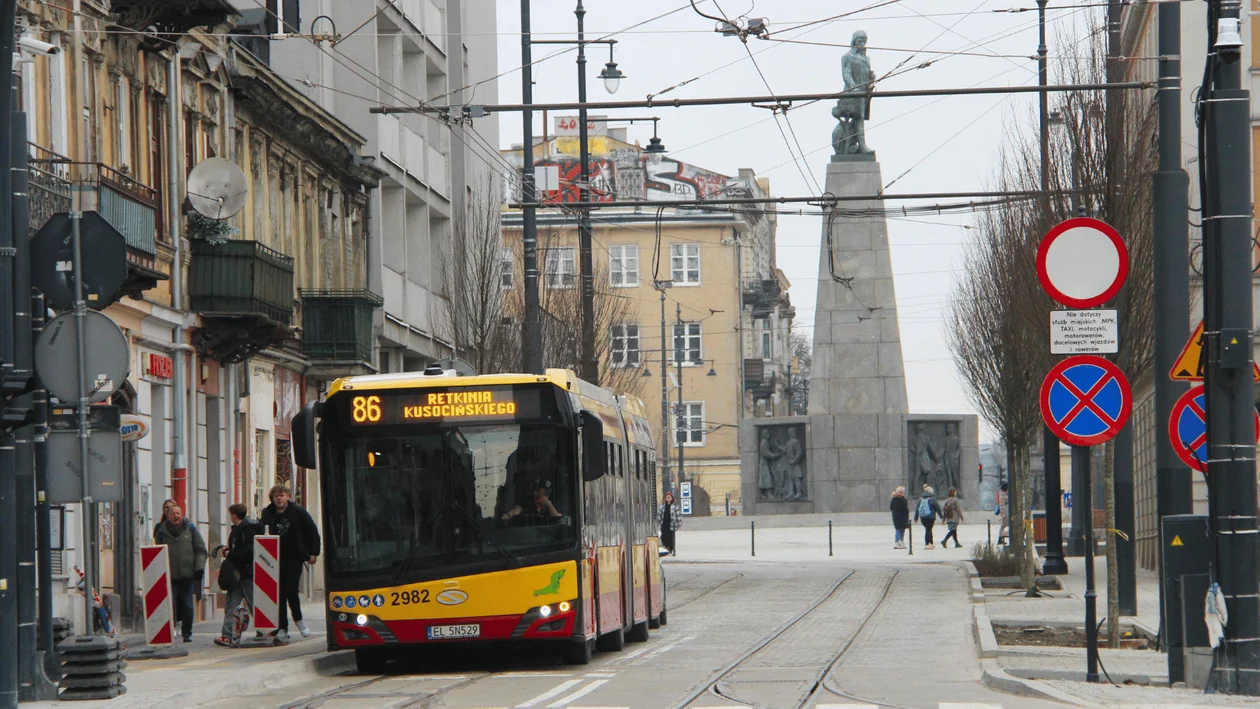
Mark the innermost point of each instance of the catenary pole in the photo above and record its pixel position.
(179, 474)
(1228, 325)
(1171, 249)
(588, 365)
(1122, 461)
(9, 501)
(680, 347)
(531, 326)
(80, 329)
(43, 522)
(667, 481)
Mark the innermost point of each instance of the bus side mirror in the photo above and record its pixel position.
(303, 432)
(594, 462)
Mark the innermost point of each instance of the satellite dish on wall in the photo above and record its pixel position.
(217, 188)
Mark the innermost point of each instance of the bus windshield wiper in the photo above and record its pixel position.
(498, 546)
(406, 563)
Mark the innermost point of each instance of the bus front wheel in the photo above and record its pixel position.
(577, 652)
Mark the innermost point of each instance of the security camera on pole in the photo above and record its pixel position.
(1085, 399)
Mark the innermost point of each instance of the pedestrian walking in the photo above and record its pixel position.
(953, 515)
(186, 552)
(236, 576)
(299, 545)
(900, 509)
(1003, 512)
(928, 509)
(671, 520)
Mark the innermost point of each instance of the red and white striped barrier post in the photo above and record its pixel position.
(158, 616)
(266, 582)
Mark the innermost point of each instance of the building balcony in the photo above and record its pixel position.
(244, 294)
(337, 329)
(170, 16)
(762, 296)
(759, 377)
(129, 206)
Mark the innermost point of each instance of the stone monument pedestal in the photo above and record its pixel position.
(859, 441)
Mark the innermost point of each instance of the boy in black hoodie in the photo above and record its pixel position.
(299, 544)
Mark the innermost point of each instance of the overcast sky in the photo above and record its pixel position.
(923, 144)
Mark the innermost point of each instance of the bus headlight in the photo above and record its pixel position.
(564, 606)
(545, 611)
(360, 620)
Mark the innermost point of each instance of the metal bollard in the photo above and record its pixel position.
(752, 536)
(910, 539)
(829, 547)
(989, 524)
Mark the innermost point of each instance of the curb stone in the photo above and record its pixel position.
(984, 633)
(996, 677)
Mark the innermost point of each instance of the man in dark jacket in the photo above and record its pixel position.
(299, 545)
(187, 558)
(239, 554)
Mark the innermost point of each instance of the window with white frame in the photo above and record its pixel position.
(561, 268)
(689, 423)
(767, 338)
(687, 343)
(625, 345)
(685, 263)
(507, 269)
(623, 265)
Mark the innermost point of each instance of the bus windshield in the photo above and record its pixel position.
(408, 501)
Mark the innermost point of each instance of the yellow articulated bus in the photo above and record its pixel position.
(507, 507)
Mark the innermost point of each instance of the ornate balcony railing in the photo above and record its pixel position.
(241, 278)
(50, 185)
(337, 324)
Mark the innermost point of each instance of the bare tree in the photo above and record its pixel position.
(803, 353)
(484, 301)
(999, 313)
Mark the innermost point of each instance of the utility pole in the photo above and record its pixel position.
(1171, 249)
(1122, 460)
(1054, 563)
(9, 385)
(667, 480)
(531, 331)
(1227, 284)
(589, 365)
(680, 337)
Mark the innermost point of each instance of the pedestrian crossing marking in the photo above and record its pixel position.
(564, 701)
(1176, 542)
(553, 692)
(968, 705)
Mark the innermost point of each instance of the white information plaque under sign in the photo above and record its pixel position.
(1084, 332)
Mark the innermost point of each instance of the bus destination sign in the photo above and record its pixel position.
(390, 408)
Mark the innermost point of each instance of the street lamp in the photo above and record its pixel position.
(588, 365)
(611, 75)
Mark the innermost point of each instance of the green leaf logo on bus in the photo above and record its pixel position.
(552, 588)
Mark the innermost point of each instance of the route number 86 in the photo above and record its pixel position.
(366, 409)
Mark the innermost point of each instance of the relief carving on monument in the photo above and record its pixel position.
(781, 475)
(934, 452)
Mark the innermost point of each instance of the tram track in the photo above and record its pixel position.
(714, 685)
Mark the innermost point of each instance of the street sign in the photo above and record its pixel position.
(1192, 361)
(108, 357)
(1085, 400)
(685, 490)
(1187, 428)
(686, 505)
(1082, 262)
(104, 251)
(1084, 332)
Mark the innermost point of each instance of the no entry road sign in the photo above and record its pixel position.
(1085, 400)
(1082, 262)
(1187, 428)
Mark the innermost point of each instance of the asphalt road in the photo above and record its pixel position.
(772, 634)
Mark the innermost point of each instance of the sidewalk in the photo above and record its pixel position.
(209, 672)
(1059, 672)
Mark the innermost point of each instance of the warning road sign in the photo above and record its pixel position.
(1176, 542)
(1192, 362)
(1085, 400)
(1187, 429)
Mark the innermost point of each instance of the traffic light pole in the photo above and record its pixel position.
(1227, 250)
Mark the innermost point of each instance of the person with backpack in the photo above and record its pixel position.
(299, 546)
(926, 512)
(953, 515)
(187, 557)
(236, 576)
(900, 510)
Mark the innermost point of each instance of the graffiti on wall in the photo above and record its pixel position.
(673, 179)
(603, 180)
